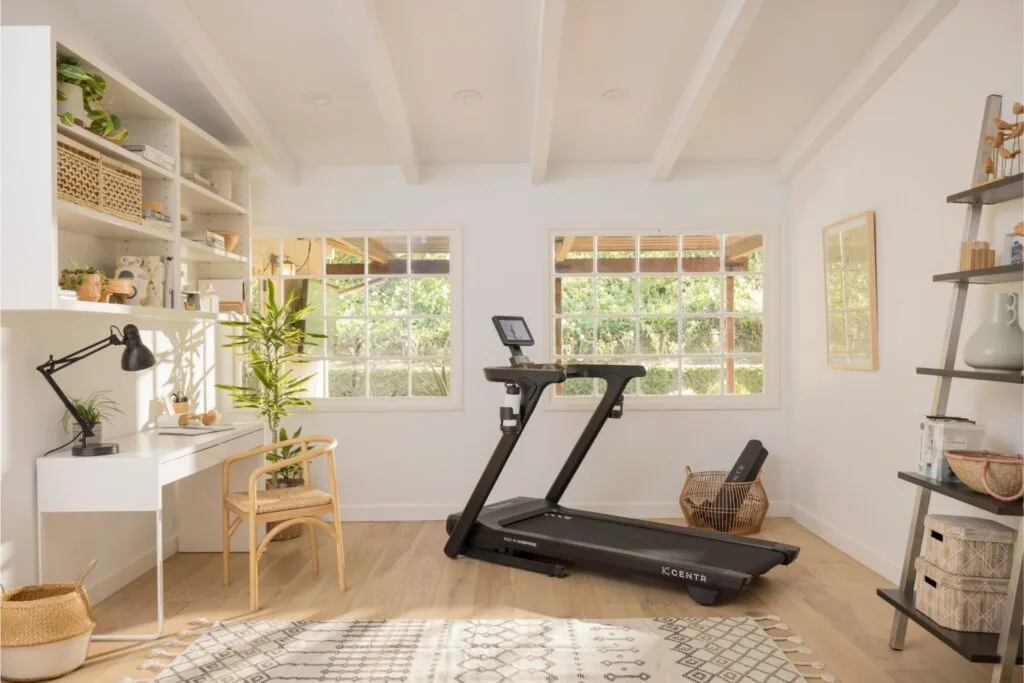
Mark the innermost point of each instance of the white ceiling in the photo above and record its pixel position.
(794, 57)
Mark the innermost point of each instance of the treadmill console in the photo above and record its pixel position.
(514, 333)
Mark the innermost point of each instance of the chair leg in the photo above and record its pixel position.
(339, 548)
(254, 578)
(225, 543)
(314, 558)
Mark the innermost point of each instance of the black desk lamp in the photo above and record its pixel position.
(135, 357)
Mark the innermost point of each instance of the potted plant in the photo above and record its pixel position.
(80, 100)
(274, 341)
(95, 409)
(89, 282)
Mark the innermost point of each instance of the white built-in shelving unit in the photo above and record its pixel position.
(43, 234)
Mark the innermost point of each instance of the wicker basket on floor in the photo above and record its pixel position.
(710, 502)
(45, 630)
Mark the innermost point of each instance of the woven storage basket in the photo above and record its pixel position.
(120, 190)
(45, 629)
(1000, 475)
(78, 173)
(709, 502)
(969, 546)
(961, 603)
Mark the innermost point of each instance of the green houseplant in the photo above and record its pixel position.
(74, 83)
(95, 409)
(274, 341)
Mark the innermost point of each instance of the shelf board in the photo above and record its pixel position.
(86, 221)
(975, 647)
(995, 192)
(198, 145)
(985, 276)
(201, 200)
(136, 311)
(988, 375)
(194, 251)
(150, 171)
(964, 494)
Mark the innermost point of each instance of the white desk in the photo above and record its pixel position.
(132, 481)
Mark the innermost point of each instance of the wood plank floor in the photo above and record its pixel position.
(397, 570)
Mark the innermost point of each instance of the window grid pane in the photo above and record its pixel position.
(706, 339)
(388, 328)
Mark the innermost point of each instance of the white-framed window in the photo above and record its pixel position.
(695, 307)
(388, 303)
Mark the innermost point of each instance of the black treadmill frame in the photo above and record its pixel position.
(490, 540)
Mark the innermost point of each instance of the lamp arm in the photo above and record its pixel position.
(53, 365)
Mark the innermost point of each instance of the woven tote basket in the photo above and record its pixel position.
(1000, 475)
(710, 502)
(78, 173)
(120, 190)
(45, 629)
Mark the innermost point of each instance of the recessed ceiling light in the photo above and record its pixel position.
(317, 99)
(468, 94)
(615, 94)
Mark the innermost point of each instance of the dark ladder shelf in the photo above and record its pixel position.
(985, 276)
(976, 647)
(995, 192)
(990, 375)
(965, 495)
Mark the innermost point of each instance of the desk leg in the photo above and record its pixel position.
(131, 637)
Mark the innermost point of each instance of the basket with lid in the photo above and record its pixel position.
(960, 603)
(969, 546)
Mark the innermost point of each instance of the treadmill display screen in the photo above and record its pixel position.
(513, 330)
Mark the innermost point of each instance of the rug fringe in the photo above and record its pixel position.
(802, 649)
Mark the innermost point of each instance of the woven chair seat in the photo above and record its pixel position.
(278, 500)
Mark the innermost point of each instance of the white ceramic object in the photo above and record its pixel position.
(43, 662)
(73, 102)
(999, 343)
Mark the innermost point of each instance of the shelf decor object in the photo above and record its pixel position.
(851, 299)
(999, 343)
(1000, 475)
(1003, 648)
(136, 356)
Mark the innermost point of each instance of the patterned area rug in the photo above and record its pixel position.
(700, 650)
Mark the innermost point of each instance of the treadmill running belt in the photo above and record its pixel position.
(652, 542)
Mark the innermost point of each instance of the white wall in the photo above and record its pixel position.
(912, 144)
(30, 413)
(412, 465)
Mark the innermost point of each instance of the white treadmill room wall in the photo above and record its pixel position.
(422, 465)
(908, 147)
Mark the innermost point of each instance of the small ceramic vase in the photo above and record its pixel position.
(999, 343)
(91, 288)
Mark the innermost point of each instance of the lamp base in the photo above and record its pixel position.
(95, 449)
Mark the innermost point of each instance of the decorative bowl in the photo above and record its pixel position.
(1000, 475)
(230, 240)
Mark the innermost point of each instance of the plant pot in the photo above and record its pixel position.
(96, 438)
(290, 532)
(91, 288)
(999, 343)
(73, 102)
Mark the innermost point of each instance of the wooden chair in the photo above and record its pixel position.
(291, 506)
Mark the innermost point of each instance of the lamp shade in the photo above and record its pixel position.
(136, 355)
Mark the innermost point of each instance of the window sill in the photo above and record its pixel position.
(384, 405)
(588, 404)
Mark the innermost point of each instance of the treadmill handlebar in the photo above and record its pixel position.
(554, 373)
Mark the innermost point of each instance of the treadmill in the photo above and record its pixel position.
(540, 535)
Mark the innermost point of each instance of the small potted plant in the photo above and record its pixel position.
(80, 101)
(89, 282)
(95, 409)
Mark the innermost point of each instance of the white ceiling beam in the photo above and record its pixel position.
(904, 35)
(552, 23)
(199, 52)
(727, 36)
(382, 77)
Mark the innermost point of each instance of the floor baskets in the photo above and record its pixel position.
(45, 630)
(710, 502)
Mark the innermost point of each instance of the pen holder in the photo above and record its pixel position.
(182, 407)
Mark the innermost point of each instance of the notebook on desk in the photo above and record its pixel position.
(194, 431)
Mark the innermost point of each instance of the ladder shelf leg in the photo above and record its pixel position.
(898, 632)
